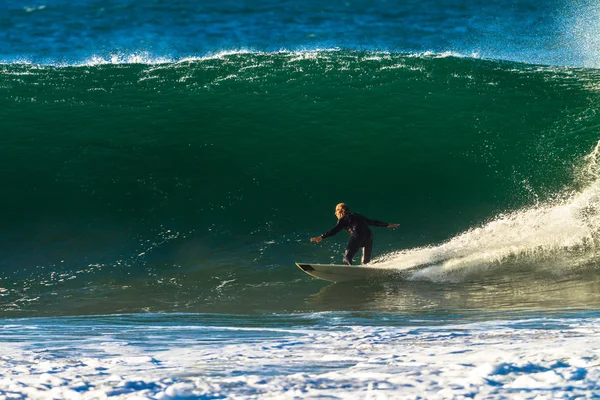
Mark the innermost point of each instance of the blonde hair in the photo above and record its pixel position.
(341, 210)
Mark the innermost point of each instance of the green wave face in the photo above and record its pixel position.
(135, 172)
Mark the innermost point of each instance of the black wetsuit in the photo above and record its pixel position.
(360, 235)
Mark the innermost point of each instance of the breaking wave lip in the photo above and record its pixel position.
(560, 235)
(146, 58)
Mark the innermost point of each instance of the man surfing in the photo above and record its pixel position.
(358, 228)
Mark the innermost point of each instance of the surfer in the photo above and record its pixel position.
(358, 228)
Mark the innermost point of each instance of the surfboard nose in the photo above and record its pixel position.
(305, 267)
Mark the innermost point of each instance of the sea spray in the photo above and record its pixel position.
(560, 234)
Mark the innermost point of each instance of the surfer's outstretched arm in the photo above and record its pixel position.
(338, 227)
(374, 222)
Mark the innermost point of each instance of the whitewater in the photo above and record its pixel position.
(319, 355)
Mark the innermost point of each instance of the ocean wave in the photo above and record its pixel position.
(142, 176)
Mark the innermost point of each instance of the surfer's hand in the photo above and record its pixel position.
(393, 225)
(316, 239)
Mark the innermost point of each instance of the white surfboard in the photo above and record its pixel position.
(342, 273)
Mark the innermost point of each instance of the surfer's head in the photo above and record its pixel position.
(341, 210)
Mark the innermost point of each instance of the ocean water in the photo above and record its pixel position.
(164, 163)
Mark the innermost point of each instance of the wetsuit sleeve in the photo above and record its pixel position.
(338, 227)
(374, 222)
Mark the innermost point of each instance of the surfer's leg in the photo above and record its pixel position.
(351, 249)
(367, 248)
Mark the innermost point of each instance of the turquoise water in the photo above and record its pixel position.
(201, 181)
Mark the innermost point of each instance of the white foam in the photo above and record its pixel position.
(486, 360)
